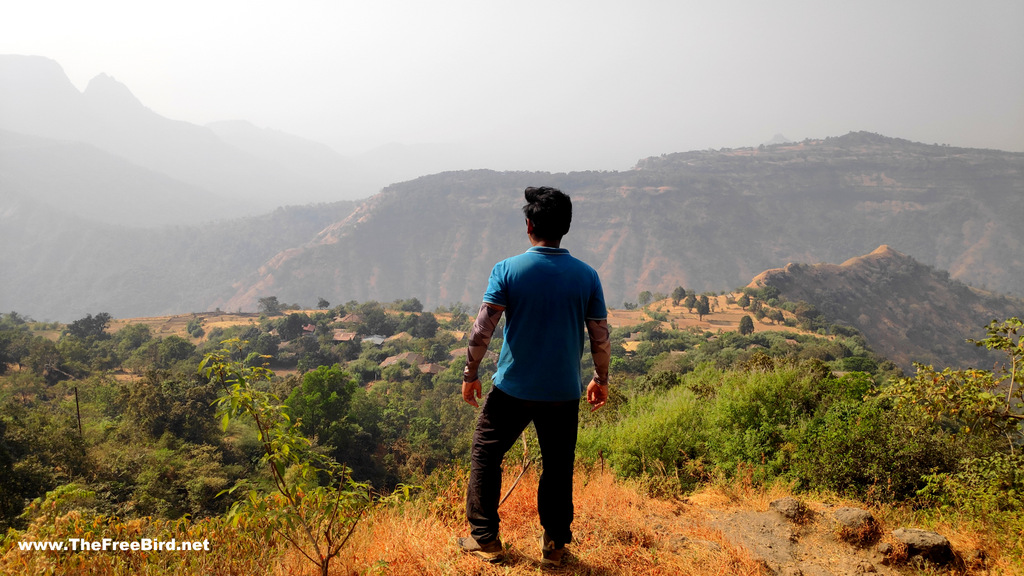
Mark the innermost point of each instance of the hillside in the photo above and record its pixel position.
(907, 311)
(725, 318)
(59, 265)
(703, 220)
(66, 178)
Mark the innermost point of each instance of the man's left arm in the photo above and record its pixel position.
(479, 339)
(601, 350)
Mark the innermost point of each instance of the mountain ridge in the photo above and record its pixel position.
(40, 101)
(707, 220)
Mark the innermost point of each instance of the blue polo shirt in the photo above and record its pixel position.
(548, 296)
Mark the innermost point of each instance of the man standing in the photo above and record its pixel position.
(547, 297)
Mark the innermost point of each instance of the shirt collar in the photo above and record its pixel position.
(547, 250)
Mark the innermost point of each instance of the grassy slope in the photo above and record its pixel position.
(618, 530)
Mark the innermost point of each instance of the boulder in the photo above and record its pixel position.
(856, 526)
(854, 518)
(790, 508)
(930, 546)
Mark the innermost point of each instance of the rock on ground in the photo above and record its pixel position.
(931, 546)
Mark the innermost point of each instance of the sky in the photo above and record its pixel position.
(554, 85)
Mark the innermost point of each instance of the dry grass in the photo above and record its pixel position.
(973, 539)
(618, 531)
(163, 326)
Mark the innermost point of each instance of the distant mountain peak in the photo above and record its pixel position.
(108, 91)
(778, 139)
(883, 252)
(37, 70)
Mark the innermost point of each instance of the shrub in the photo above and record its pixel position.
(982, 486)
(662, 434)
(864, 448)
(758, 416)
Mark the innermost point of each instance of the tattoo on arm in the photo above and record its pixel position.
(600, 348)
(480, 337)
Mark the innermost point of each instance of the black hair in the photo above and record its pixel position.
(550, 210)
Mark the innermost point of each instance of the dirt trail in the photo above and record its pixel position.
(789, 549)
(784, 547)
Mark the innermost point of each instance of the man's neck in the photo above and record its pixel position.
(534, 241)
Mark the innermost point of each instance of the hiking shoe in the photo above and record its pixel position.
(491, 552)
(550, 555)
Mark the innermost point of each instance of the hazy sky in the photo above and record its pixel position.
(554, 85)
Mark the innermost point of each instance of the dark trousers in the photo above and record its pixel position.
(502, 419)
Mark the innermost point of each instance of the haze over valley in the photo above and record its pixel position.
(146, 160)
(143, 213)
(241, 246)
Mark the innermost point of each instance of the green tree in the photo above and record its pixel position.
(690, 301)
(377, 322)
(644, 298)
(316, 518)
(746, 325)
(174, 349)
(161, 353)
(44, 359)
(321, 402)
(14, 348)
(978, 414)
(756, 306)
(678, 295)
(410, 305)
(323, 304)
(39, 450)
(13, 321)
(460, 319)
(195, 328)
(269, 305)
(90, 326)
(162, 402)
(424, 326)
(743, 301)
(290, 327)
(703, 306)
(267, 345)
(808, 315)
(131, 338)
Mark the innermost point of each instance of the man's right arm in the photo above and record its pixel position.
(601, 350)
